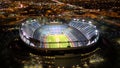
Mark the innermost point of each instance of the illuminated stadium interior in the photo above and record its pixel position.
(76, 33)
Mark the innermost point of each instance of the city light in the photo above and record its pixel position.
(59, 33)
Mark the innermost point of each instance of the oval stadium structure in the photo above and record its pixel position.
(57, 36)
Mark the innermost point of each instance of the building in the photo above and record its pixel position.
(60, 43)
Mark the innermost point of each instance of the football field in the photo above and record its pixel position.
(57, 41)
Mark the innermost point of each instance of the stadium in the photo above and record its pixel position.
(76, 39)
(57, 36)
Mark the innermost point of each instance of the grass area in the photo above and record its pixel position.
(57, 41)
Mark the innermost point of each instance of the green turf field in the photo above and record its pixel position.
(58, 39)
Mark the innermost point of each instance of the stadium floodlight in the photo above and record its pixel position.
(24, 34)
(22, 23)
(83, 20)
(34, 20)
(74, 19)
(89, 22)
(96, 32)
(27, 37)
